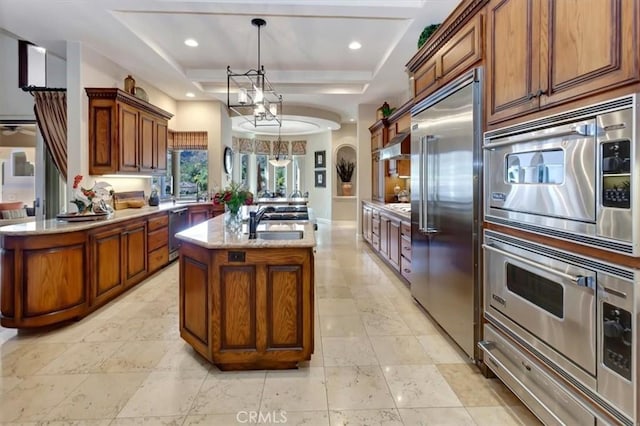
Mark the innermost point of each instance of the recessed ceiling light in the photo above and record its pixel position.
(191, 42)
(352, 119)
(354, 45)
(190, 95)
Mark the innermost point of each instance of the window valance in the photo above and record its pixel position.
(192, 140)
(298, 147)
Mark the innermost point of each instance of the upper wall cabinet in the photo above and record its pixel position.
(544, 53)
(126, 134)
(455, 56)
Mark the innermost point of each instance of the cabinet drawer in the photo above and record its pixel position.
(158, 222)
(158, 258)
(405, 248)
(157, 239)
(375, 242)
(375, 214)
(375, 227)
(405, 229)
(405, 268)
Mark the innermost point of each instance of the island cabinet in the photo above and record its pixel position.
(56, 271)
(126, 134)
(247, 308)
(542, 54)
(43, 279)
(200, 212)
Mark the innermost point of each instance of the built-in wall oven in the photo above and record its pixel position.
(561, 331)
(569, 176)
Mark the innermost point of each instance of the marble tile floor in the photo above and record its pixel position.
(379, 361)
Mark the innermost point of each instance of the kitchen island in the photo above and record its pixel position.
(59, 270)
(248, 303)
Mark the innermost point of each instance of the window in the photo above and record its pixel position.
(187, 174)
(244, 170)
(280, 182)
(263, 174)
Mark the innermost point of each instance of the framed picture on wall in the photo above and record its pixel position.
(321, 159)
(321, 179)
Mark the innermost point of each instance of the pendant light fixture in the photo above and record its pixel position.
(279, 160)
(251, 95)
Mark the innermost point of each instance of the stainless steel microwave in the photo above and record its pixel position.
(570, 176)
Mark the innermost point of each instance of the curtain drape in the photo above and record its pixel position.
(262, 147)
(242, 145)
(187, 140)
(51, 114)
(282, 148)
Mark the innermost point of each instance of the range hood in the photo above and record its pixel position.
(398, 148)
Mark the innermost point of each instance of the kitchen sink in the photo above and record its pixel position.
(280, 235)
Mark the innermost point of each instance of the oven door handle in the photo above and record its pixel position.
(579, 280)
(575, 130)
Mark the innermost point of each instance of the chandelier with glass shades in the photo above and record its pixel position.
(278, 159)
(251, 95)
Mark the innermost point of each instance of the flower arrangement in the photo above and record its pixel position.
(85, 199)
(233, 197)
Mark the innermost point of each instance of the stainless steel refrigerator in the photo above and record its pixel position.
(446, 166)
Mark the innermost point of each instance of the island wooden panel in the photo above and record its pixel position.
(260, 303)
(194, 303)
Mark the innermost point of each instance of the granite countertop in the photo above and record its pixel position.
(211, 234)
(389, 207)
(54, 226)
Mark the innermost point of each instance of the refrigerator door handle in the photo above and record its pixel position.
(422, 205)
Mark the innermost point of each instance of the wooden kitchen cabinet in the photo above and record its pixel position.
(366, 223)
(134, 238)
(107, 279)
(458, 54)
(158, 241)
(389, 236)
(377, 177)
(384, 236)
(379, 134)
(126, 134)
(393, 252)
(544, 53)
(199, 213)
(248, 311)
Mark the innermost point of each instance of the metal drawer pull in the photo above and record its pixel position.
(579, 280)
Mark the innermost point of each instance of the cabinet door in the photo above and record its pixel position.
(513, 34)
(366, 223)
(128, 132)
(160, 153)
(384, 236)
(106, 258)
(103, 153)
(377, 177)
(135, 252)
(590, 48)
(394, 243)
(198, 214)
(147, 141)
(426, 78)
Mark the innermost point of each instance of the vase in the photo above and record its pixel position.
(232, 220)
(346, 189)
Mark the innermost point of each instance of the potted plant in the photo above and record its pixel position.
(345, 170)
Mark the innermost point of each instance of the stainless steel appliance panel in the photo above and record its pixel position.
(617, 328)
(549, 172)
(616, 153)
(446, 156)
(552, 300)
(550, 400)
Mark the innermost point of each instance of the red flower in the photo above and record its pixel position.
(76, 181)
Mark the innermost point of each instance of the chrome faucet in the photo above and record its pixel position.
(254, 219)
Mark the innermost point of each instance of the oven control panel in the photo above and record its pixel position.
(616, 174)
(617, 339)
